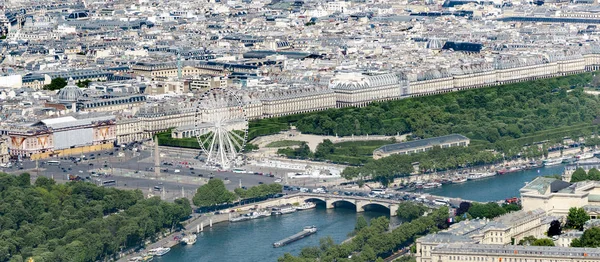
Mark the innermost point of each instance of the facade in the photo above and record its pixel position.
(555, 196)
(407, 148)
(298, 100)
(361, 89)
(62, 136)
(130, 130)
(4, 155)
(502, 230)
(460, 252)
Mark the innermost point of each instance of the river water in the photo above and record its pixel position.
(496, 187)
(251, 241)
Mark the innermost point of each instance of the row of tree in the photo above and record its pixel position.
(386, 169)
(214, 193)
(78, 221)
(373, 242)
(484, 210)
(581, 175)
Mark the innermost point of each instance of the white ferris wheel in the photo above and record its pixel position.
(221, 127)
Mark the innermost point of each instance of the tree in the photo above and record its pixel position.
(213, 193)
(577, 218)
(543, 242)
(578, 175)
(56, 84)
(528, 240)
(590, 238)
(555, 228)
(487, 210)
(463, 207)
(593, 174)
(361, 223)
(409, 211)
(324, 149)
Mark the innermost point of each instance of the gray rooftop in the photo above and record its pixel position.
(533, 251)
(434, 141)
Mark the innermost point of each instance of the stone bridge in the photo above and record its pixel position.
(330, 201)
(360, 203)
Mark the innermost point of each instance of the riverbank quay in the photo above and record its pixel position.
(192, 225)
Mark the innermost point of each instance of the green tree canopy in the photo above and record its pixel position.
(543, 242)
(213, 193)
(409, 211)
(590, 238)
(56, 84)
(577, 218)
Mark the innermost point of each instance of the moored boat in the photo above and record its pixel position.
(553, 161)
(159, 251)
(306, 205)
(189, 239)
(459, 180)
(283, 210)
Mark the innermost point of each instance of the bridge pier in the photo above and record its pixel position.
(329, 203)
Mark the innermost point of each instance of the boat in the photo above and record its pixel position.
(509, 170)
(459, 179)
(307, 231)
(553, 161)
(584, 156)
(159, 251)
(476, 176)
(283, 210)
(432, 185)
(249, 216)
(306, 205)
(189, 239)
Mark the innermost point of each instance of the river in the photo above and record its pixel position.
(251, 241)
(496, 187)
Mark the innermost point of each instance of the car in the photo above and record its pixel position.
(191, 168)
(260, 183)
(91, 164)
(157, 188)
(192, 172)
(69, 168)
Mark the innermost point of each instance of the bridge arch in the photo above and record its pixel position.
(342, 203)
(316, 200)
(375, 207)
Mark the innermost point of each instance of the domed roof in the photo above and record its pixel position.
(70, 93)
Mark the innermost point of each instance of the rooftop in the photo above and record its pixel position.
(434, 141)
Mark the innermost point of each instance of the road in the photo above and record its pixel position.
(131, 171)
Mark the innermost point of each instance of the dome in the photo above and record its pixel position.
(70, 93)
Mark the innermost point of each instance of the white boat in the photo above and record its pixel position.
(159, 251)
(189, 239)
(432, 185)
(249, 216)
(553, 161)
(585, 156)
(306, 205)
(283, 210)
(476, 176)
(459, 180)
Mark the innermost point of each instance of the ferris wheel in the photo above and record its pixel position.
(221, 127)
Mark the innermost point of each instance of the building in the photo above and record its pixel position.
(503, 230)
(464, 252)
(361, 89)
(4, 155)
(62, 136)
(297, 100)
(555, 196)
(422, 145)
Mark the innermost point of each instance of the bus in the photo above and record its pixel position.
(53, 163)
(378, 191)
(109, 183)
(239, 170)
